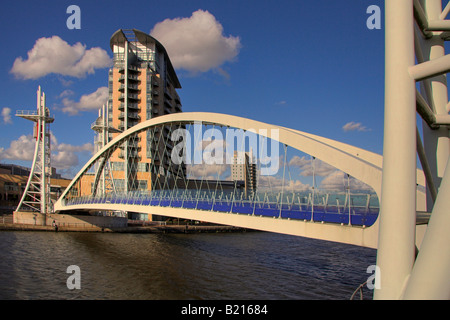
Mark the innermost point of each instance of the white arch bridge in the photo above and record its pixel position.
(180, 165)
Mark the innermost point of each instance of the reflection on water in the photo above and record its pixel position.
(253, 265)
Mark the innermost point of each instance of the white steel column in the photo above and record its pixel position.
(429, 277)
(436, 142)
(396, 244)
(42, 139)
(104, 135)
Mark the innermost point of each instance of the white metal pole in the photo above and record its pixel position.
(349, 201)
(436, 142)
(104, 134)
(41, 121)
(396, 244)
(313, 187)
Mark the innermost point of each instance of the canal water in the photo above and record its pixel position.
(219, 266)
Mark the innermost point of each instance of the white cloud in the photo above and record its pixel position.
(275, 184)
(337, 181)
(66, 93)
(206, 171)
(54, 55)
(197, 43)
(320, 168)
(352, 126)
(334, 179)
(6, 114)
(20, 149)
(64, 156)
(88, 102)
(208, 142)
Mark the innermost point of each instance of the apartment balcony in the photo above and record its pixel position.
(133, 87)
(131, 96)
(168, 95)
(131, 115)
(134, 115)
(130, 68)
(167, 103)
(133, 68)
(130, 124)
(130, 86)
(132, 77)
(131, 146)
(131, 154)
(134, 106)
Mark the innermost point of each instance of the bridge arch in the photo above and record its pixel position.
(359, 163)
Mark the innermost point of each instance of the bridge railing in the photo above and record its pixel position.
(360, 210)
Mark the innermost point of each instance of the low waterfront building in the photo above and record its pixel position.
(13, 180)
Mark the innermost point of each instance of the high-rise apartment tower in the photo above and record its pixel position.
(142, 85)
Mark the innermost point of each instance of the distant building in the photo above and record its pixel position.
(14, 169)
(13, 180)
(243, 169)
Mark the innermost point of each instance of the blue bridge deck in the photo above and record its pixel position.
(358, 215)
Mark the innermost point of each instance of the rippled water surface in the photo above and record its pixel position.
(251, 265)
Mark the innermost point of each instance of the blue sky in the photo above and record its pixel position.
(309, 65)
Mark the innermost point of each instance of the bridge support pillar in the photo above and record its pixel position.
(396, 244)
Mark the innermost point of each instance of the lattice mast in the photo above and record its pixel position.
(104, 180)
(36, 196)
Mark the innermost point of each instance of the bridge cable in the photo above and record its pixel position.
(313, 187)
(282, 186)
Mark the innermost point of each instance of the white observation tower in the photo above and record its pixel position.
(36, 196)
